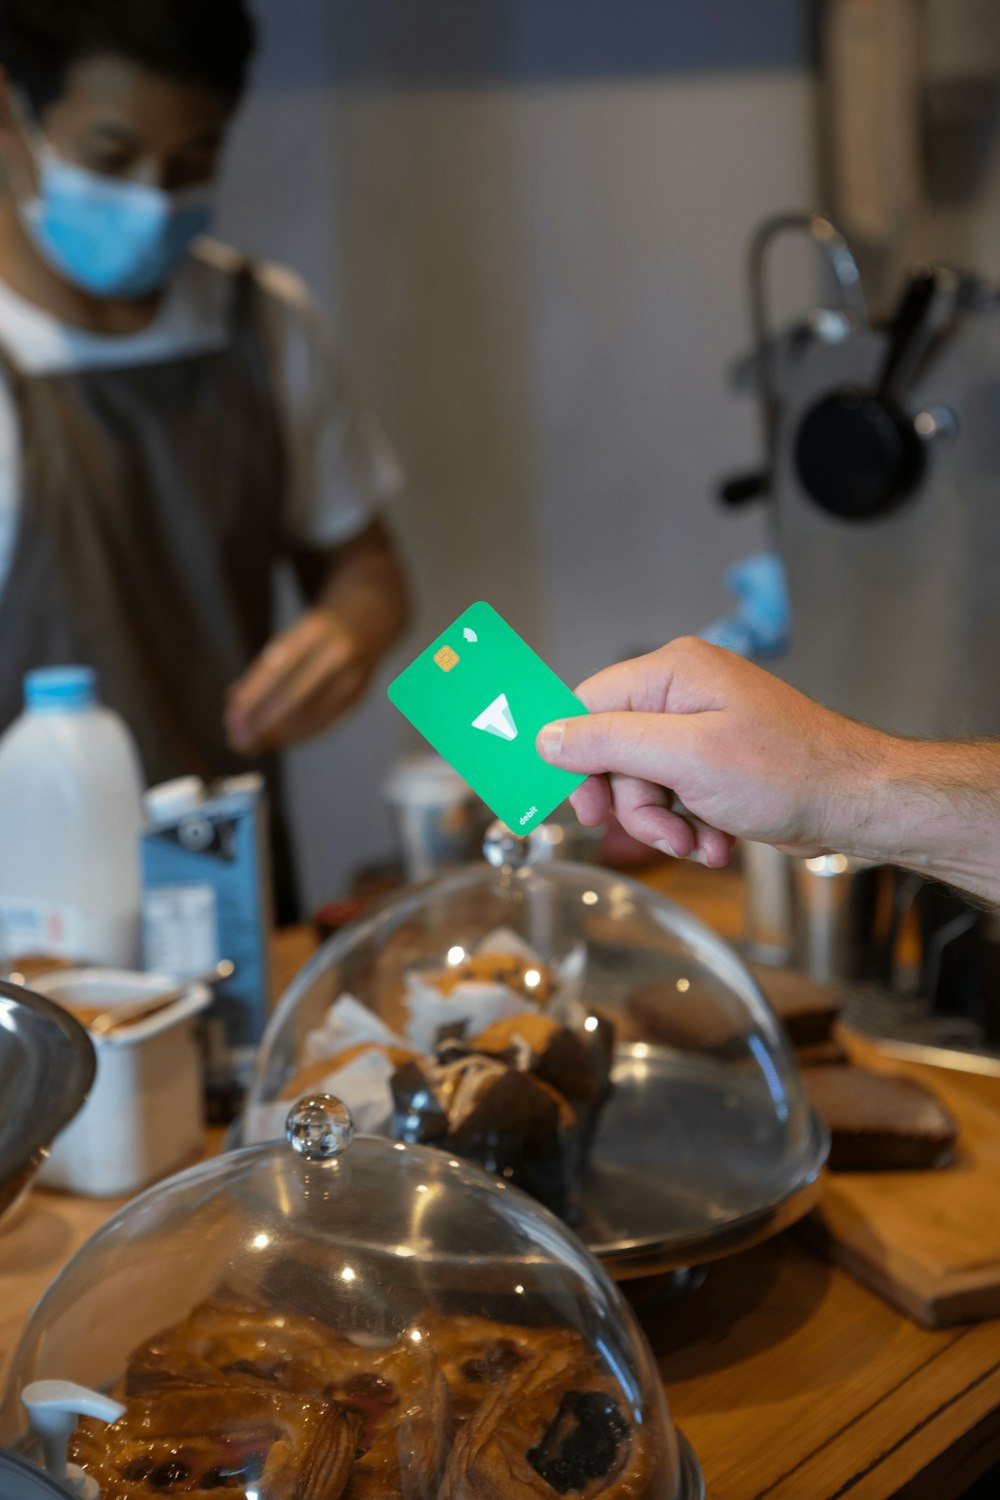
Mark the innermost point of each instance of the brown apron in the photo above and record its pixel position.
(150, 522)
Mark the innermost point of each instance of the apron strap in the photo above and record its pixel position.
(253, 324)
(243, 305)
(14, 377)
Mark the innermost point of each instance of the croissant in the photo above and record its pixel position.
(195, 1442)
(400, 1396)
(397, 1395)
(236, 1338)
(241, 1399)
(555, 1426)
(476, 1354)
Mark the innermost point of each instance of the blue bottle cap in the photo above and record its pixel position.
(60, 690)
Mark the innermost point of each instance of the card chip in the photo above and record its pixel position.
(446, 658)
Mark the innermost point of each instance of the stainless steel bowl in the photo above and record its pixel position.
(47, 1066)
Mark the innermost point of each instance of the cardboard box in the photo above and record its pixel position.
(206, 896)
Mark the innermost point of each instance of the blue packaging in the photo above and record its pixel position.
(206, 897)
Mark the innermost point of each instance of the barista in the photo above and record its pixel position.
(750, 757)
(173, 420)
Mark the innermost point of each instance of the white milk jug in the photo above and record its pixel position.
(70, 817)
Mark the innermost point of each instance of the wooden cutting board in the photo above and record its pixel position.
(927, 1241)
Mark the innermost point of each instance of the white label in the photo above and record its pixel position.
(28, 927)
(180, 930)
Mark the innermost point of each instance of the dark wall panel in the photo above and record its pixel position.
(435, 42)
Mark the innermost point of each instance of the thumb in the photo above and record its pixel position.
(653, 747)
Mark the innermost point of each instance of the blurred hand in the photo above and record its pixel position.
(302, 682)
(745, 754)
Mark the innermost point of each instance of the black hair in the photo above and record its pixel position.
(207, 42)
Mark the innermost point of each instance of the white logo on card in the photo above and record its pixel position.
(497, 719)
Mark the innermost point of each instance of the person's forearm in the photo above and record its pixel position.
(935, 807)
(365, 587)
(310, 675)
(749, 757)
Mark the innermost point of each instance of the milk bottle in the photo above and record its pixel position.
(70, 817)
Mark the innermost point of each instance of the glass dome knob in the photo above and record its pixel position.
(503, 849)
(319, 1127)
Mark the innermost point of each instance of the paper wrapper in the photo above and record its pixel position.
(363, 1085)
(347, 1023)
(476, 1004)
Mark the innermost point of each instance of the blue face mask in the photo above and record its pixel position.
(111, 237)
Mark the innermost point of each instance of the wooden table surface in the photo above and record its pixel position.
(789, 1379)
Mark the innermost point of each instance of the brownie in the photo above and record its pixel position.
(822, 1055)
(880, 1122)
(807, 1010)
(658, 1012)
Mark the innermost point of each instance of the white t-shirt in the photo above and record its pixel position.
(341, 469)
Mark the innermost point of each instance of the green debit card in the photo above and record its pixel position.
(480, 695)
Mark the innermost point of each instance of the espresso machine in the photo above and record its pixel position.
(881, 478)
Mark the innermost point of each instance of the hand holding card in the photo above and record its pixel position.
(480, 695)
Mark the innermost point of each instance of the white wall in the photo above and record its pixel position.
(540, 287)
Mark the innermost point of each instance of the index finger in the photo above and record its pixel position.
(654, 747)
(682, 677)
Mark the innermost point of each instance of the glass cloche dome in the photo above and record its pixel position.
(574, 1033)
(320, 1318)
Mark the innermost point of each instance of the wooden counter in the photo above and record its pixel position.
(790, 1380)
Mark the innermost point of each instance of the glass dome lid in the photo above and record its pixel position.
(320, 1318)
(573, 1032)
